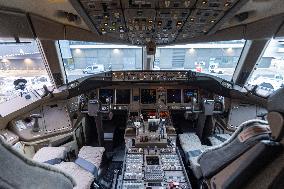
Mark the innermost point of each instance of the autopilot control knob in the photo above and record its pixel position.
(36, 124)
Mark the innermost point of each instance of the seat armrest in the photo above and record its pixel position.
(50, 155)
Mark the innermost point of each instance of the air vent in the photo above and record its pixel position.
(70, 17)
(242, 16)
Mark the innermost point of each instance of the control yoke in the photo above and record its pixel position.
(94, 107)
(36, 124)
(95, 110)
(208, 107)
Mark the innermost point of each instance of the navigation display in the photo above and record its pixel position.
(122, 96)
(188, 94)
(173, 96)
(148, 96)
(104, 94)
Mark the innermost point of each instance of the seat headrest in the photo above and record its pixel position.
(275, 101)
(275, 107)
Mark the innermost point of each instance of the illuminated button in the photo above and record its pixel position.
(227, 4)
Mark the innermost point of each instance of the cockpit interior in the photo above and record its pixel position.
(141, 94)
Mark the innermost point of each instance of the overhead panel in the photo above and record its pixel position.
(140, 22)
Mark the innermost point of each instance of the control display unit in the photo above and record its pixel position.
(122, 96)
(104, 94)
(152, 160)
(173, 96)
(148, 96)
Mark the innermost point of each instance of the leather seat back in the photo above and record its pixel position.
(19, 172)
(215, 159)
(262, 166)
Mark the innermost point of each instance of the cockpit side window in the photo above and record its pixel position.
(21, 68)
(269, 70)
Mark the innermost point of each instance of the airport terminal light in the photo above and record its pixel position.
(116, 51)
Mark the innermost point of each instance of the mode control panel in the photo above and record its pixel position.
(150, 76)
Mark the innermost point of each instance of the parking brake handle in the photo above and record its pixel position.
(36, 124)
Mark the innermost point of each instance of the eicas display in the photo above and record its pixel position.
(123, 96)
(148, 96)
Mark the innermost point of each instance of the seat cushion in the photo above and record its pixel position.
(192, 148)
(83, 178)
(50, 155)
(191, 145)
(218, 139)
(189, 141)
(91, 154)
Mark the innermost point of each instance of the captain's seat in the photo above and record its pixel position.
(18, 171)
(47, 172)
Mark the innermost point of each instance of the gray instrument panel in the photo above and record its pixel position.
(241, 112)
(55, 119)
(174, 97)
(157, 21)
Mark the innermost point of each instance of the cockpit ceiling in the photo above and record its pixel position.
(141, 22)
(50, 9)
(153, 21)
(255, 10)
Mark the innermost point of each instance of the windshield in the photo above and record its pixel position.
(269, 71)
(215, 58)
(22, 69)
(85, 58)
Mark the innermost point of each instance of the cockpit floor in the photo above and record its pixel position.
(112, 168)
